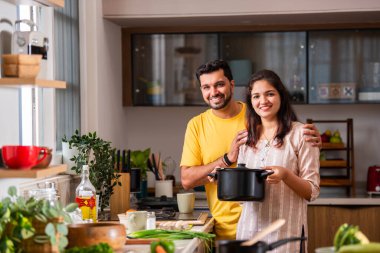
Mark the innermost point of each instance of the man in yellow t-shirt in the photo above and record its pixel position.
(213, 139)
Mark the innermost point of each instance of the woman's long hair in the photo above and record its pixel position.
(285, 115)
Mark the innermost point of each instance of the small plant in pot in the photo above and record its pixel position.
(139, 160)
(99, 155)
(32, 225)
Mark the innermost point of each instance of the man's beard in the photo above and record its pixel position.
(223, 104)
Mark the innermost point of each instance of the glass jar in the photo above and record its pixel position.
(151, 220)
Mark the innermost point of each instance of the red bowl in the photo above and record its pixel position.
(22, 157)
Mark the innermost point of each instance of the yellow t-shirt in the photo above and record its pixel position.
(207, 138)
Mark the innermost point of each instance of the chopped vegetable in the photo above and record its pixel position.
(348, 235)
(162, 246)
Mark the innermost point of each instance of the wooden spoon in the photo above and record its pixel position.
(258, 236)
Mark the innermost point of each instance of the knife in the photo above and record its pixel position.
(118, 160)
(123, 162)
(128, 162)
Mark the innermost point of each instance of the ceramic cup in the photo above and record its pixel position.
(186, 202)
(136, 221)
(164, 188)
(22, 157)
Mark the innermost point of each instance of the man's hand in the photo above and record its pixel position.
(240, 139)
(312, 135)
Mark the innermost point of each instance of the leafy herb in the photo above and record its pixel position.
(207, 238)
(99, 248)
(20, 216)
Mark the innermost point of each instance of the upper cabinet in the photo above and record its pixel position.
(317, 66)
(344, 66)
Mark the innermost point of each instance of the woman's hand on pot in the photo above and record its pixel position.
(240, 139)
(280, 173)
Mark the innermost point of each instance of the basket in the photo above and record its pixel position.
(21, 65)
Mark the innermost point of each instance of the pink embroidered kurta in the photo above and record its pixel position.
(280, 201)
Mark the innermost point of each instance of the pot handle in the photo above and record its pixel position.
(266, 173)
(213, 175)
(283, 241)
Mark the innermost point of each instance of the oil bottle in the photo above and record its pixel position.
(85, 196)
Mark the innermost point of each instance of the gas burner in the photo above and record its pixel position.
(151, 203)
(166, 213)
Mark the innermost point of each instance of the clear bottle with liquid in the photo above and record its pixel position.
(85, 197)
(151, 220)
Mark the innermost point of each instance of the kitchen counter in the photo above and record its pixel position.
(201, 204)
(182, 246)
(375, 201)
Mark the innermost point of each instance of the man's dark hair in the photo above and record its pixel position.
(212, 66)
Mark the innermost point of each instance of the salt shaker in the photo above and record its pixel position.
(151, 220)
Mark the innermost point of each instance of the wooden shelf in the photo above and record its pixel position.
(49, 3)
(344, 159)
(33, 173)
(327, 145)
(32, 82)
(335, 182)
(333, 163)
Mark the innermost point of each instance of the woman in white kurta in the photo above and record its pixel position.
(275, 142)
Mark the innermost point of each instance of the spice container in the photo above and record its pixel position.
(151, 220)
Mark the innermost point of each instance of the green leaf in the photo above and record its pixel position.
(41, 239)
(50, 230)
(63, 242)
(71, 207)
(12, 191)
(62, 229)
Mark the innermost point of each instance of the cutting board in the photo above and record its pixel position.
(190, 218)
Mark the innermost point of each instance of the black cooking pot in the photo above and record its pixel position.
(241, 183)
(228, 246)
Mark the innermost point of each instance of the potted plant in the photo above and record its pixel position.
(33, 225)
(139, 159)
(99, 156)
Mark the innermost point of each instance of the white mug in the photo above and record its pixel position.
(186, 202)
(136, 221)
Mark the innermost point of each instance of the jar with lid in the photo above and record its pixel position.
(151, 220)
(45, 190)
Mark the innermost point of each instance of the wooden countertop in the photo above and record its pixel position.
(363, 201)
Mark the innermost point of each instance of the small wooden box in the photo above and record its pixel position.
(21, 65)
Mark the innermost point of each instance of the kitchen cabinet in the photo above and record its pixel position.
(324, 219)
(337, 166)
(317, 66)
